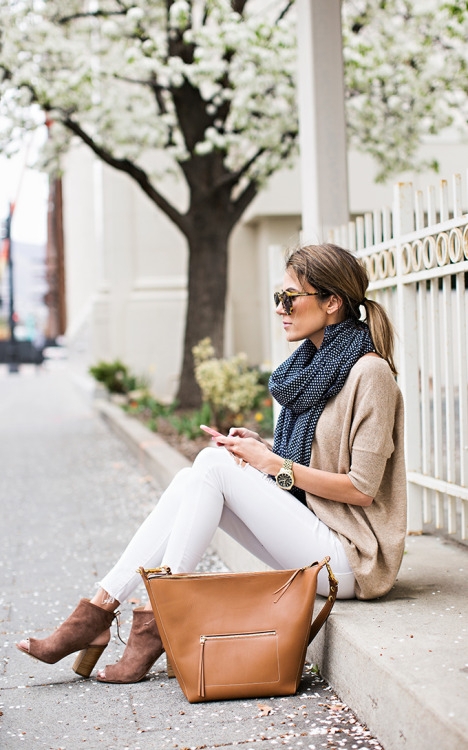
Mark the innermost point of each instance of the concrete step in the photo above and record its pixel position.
(401, 662)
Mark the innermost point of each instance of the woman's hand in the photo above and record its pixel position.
(247, 447)
(243, 432)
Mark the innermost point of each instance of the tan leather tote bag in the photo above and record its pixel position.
(237, 635)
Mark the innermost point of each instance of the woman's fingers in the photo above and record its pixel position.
(243, 433)
(237, 432)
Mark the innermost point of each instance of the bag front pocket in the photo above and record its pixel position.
(238, 659)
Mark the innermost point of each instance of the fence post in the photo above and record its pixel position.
(407, 347)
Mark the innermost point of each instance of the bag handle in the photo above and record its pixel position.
(327, 607)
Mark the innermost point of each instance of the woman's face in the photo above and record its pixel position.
(309, 316)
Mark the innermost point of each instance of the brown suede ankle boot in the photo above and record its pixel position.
(144, 646)
(77, 633)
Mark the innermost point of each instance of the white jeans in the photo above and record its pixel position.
(246, 504)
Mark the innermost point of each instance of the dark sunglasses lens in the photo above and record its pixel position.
(285, 300)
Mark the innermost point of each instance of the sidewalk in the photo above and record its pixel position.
(400, 663)
(71, 494)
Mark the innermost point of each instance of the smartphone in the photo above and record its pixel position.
(210, 431)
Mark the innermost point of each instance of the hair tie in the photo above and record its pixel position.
(363, 301)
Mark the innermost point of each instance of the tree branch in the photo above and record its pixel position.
(244, 199)
(138, 174)
(251, 190)
(285, 10)
(155, 87)
(6, 73)
(238, 6)
(152, 84)
(89, 14)
(233, 177)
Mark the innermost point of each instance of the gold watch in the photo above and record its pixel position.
(285, 476)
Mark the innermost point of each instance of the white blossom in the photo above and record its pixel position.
(116, 75)
(402, 71)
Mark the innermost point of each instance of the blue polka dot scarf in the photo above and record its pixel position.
(306, 380)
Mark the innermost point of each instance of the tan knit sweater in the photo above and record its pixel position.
(360, 433)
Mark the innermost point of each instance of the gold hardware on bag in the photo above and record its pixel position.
(332, 582)
(163, 570)
(330, 574)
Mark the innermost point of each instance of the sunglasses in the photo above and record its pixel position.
(286, 299)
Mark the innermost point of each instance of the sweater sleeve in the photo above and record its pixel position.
(371, 436)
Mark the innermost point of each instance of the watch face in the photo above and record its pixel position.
(284, 480)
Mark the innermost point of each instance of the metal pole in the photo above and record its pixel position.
(13, 364)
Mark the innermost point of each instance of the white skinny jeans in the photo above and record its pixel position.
(216, 491)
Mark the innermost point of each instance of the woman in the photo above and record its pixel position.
(333, 484)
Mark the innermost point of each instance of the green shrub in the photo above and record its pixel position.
(229, 386)
(115, 376)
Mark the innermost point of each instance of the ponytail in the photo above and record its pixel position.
(381, 331)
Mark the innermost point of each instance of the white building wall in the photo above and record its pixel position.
(126, 266)
(367, 195)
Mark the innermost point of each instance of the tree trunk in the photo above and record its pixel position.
(207, 286)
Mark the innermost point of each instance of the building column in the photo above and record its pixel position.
(322, 125)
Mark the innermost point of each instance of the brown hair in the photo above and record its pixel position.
(333, 270)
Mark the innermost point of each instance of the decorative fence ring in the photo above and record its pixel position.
(442, 249)
(455, 245)
(465, 241)
(406, 257)
(367, 263)
(372, 266)
(417, 255)
(382, 264)
(429, 252)
(391, 254)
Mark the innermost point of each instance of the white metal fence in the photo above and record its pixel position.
(417, 259)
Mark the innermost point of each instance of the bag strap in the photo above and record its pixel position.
(327, 607)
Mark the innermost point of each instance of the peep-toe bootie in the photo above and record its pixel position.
(144, 646)
(84, 630)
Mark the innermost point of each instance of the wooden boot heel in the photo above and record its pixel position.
(87, 659)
